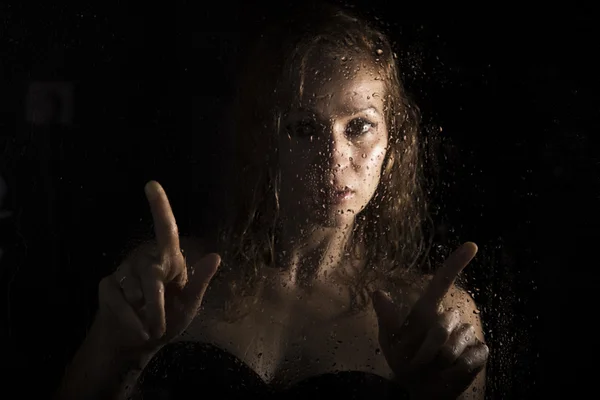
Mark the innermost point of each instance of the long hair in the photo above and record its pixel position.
(389, 231)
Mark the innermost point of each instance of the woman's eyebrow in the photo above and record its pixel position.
(349, 110)
(357, 110)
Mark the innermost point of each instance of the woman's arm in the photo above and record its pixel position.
(99, 370)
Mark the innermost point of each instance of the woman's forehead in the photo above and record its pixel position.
(340, 90)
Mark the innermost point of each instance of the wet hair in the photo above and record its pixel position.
(389, 231)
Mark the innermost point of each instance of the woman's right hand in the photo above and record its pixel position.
(155, 293)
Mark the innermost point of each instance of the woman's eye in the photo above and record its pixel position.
(358, 127)
(303, 128)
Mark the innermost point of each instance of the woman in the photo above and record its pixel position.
(318, 291)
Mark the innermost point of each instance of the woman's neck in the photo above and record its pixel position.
(305, 253)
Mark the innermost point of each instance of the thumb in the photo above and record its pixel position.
(199, 276)
(388, 314)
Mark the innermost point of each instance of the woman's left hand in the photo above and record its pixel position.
(433, 354)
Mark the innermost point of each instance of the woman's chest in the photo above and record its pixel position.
(290, 341)
(345, 343)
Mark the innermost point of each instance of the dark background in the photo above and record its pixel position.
(512, 96)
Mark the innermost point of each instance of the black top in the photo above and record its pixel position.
(192, 370)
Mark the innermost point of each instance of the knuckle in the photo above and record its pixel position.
(156, 290)
(440, 333)
(440, 310)
(467, 332)
(469, 329)
(456, 316)
(156, 270)
(485, 351)
(173, 256)
(450, 352)
(466, 363)
(172, 230)
(474, 360)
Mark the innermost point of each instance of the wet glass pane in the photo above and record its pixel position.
(317, 166)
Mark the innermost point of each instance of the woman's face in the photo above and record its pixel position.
(333, 142)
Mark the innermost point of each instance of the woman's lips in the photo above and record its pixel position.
(339, 196)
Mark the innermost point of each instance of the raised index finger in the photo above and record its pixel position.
(444, 278)
(165, 227)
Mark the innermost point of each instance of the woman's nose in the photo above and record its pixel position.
(337, 148)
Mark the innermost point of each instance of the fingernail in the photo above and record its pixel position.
(148, 189)
(472, 247)
(464, 249)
